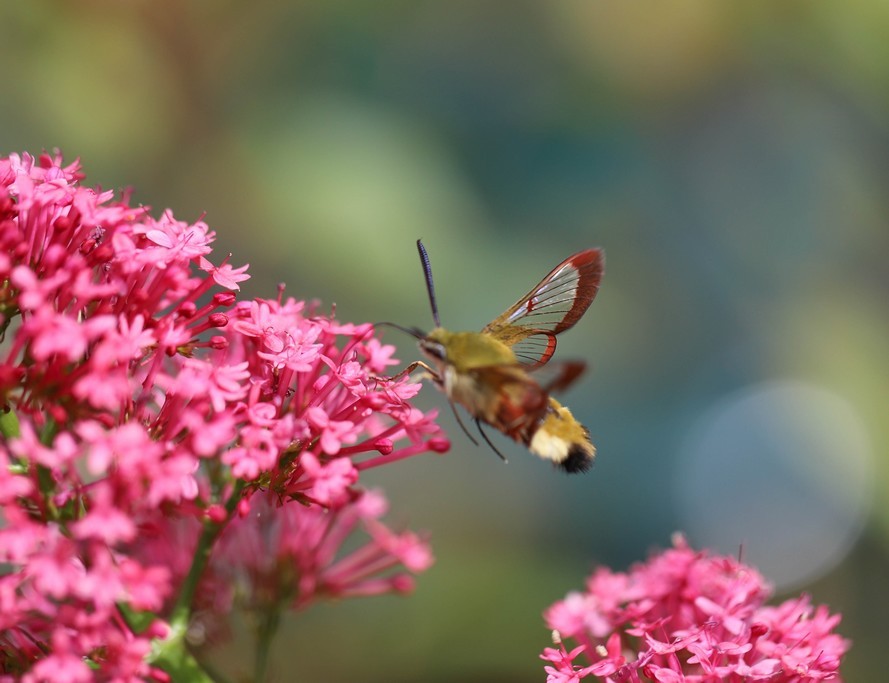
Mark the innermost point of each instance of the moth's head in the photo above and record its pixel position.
(435, 345)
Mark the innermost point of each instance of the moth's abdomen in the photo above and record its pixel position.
(561, 439)
(502, 396)
(508, 399)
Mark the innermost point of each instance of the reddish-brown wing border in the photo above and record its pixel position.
(557, 302)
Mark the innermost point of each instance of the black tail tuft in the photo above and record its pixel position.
(579, 459)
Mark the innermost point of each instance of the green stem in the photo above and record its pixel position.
(171, 654)
(209, 533)
(265, 633)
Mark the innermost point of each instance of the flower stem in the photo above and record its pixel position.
(209, 533)
(265, 634)
(171, 653)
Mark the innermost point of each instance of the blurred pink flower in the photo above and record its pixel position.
(293, 554)
(151, 420)
(690, 616)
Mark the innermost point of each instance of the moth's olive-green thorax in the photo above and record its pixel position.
(466, 350)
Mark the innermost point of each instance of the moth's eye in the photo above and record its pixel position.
(433, 349)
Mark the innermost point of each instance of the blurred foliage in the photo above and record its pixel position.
(731, 157)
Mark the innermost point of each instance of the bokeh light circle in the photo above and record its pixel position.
(781, 470)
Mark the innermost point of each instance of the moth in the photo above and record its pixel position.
(498, 375)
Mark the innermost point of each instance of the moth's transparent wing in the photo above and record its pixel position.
(531, 324)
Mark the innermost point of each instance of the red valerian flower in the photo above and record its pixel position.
(151, 423)
(690, 616)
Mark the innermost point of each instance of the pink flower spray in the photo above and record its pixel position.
(690, 616)
(160, 437)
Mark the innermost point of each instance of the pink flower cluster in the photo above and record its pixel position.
(302, 548)
(690, 616)
(147, 416)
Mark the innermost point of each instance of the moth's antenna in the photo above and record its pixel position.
(415, 332)
(427, 271)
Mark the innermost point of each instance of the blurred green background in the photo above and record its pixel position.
(731, 157)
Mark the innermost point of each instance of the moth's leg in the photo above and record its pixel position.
(460, 422)
(428, 373)
(478, 423)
